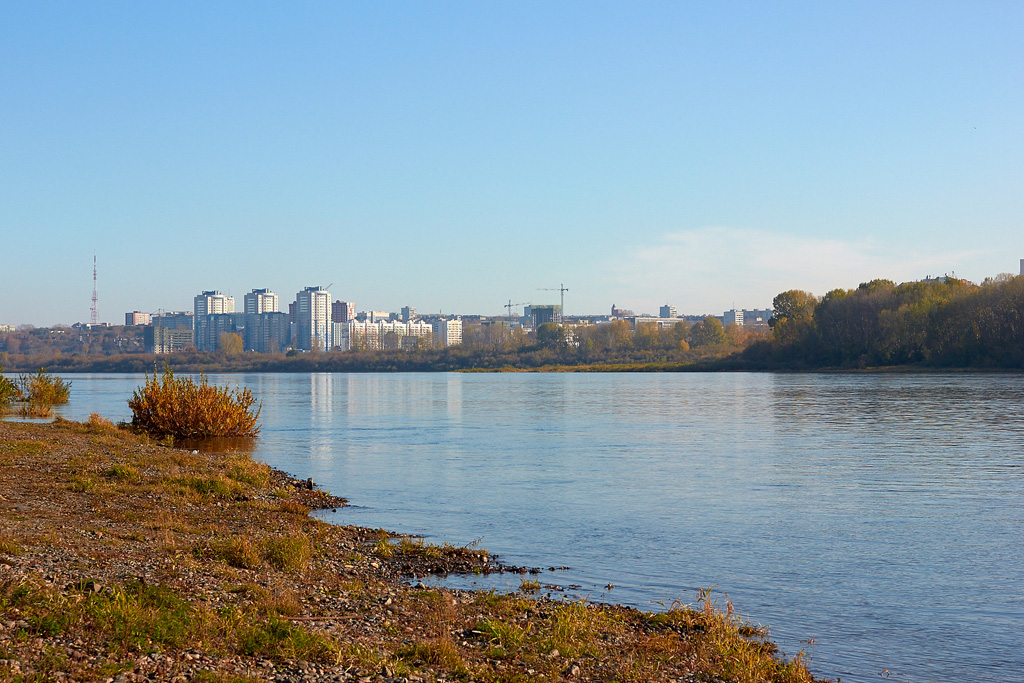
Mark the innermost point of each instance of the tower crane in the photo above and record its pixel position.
(561, 289)
(509, 306)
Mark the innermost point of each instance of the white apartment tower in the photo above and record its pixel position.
(447, 332)
(210, 303)
(260, 301)
(207, 304)
(313, 319)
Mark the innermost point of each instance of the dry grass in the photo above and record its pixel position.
(185, 409)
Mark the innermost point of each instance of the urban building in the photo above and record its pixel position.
(265, 329)
(174, 319)
(408, 314)
(260, 301)
(373, 316)
(757, 316)
(551, 313)
(667, 312)
(447, 332)
(160, 339)
(267, 332)
(138, 318)
(343, 311)
(381, 334)
(216, 324)
(205, 305)
(312, 319)
(733, 316)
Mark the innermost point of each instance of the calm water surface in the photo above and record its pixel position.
(872, 521)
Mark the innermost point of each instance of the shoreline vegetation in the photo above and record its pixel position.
(936, 324)
(122, 559)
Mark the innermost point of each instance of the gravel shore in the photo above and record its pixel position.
(125, 560)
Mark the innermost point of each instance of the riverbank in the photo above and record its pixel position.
(124, 560)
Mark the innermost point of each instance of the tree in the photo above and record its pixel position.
(230, 344)
(792, 319)
(708, 332)
(551, 336)
(793, 304)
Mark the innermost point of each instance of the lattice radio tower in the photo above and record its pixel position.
(95, 297)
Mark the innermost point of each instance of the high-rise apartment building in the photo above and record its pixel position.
(266, 328)
(205, 305)
(447, 332)
(312, 319)
(343, 311)
(260, 301)
(668, 311)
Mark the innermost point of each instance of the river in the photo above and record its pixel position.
(873, 521)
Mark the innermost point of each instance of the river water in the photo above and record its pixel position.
(873, 521)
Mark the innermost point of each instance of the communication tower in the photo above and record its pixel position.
(95, 297)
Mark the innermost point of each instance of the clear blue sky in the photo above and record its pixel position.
(453, 156)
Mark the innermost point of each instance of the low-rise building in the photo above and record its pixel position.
(733, 316)
(382, 334)
(138, 318)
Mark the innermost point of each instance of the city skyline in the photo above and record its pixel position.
(455, 157)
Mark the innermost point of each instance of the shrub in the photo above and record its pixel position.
(43, 389)
(185, 409)
(8, 391)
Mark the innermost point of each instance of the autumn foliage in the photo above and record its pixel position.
(186, 409)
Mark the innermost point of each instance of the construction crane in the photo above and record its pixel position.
(509, 306)
(561, 289)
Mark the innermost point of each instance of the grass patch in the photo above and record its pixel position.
(213, 487)
(9, 546)
(125, 473)
(289, 553)
(409, 546)
(279, 639)
(529, 585)
(241, 553)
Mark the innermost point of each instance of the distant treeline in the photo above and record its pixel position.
(938, 323)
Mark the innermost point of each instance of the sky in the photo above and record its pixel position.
(455, 156)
